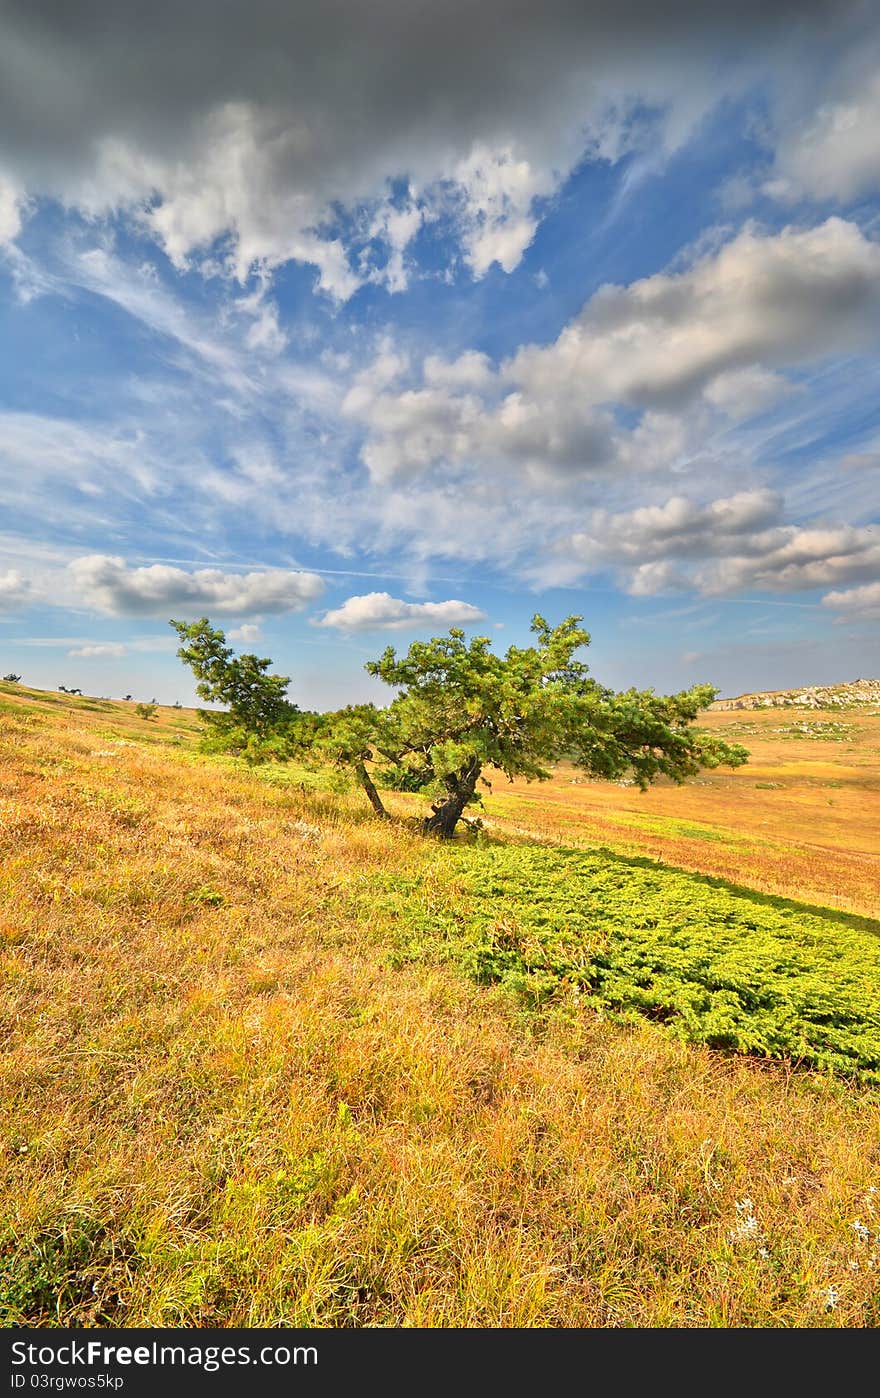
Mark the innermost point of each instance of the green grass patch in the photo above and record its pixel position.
(715, 964)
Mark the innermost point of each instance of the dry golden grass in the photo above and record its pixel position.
(801, 819)
(221, 1106)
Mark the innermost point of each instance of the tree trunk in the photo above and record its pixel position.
(446, 814)
(373, 796)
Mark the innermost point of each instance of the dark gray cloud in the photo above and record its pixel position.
(251, 118)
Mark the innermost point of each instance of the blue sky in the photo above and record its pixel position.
(345, 327)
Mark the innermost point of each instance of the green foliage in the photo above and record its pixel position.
(257, 720)
(75, 1267)
(727, 967)
(145, 710)
(461, 709)
(11, 678)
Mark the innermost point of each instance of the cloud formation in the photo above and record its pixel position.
(834, 153)
(730, 545)
(263, 119)
(856, 603)
(101, 650)
(379, 611)
(106, 583)
(715, 335)
(15, 590)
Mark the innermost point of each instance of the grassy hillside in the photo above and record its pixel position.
(269, 1062)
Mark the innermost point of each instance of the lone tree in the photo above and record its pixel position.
(459, 711)
(11, 678)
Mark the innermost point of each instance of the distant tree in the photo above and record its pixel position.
(12, 679)
(126, 697)
(145, 710)
(63, 688)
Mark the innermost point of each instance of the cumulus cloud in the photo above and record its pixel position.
(107, 583)
(795, 559)
(733, 544)
(856, 603)
(834, 153)
(744, 393)
(681, 528)
(15, 590)
(249, 633)
(498, 193)
(272, 117)
(713, 336)
(761, 300)
(379, 611)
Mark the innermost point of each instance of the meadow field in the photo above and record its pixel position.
(801, 819)
(269, 1062)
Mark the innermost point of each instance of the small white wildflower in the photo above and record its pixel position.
(762, 1252)
(747, 1227)
(860, 1231)
(832, 1296)
(853, 1264)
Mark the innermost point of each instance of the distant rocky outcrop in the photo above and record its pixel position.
(814, 696)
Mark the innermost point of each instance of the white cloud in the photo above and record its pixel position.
(761, 300)
(713, 336)
(397, 227)
(744, 393)
(856, 603)
(793, 559)
(15, 590)
(681, 528)
(109, 585)
(103, 650)
(734, 544)
(834, 151)
(470, 370)
(12, 202)
(264, 332)
(381, 611)
(249, 633)
(498, 191)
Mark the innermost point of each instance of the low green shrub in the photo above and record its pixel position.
(715, 964)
